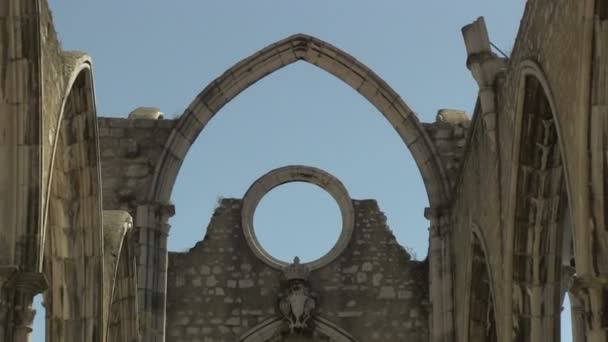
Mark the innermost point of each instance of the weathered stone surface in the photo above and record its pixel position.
(358, 292)
(517, 199)
(129, 151)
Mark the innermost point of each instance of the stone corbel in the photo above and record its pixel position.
(485, 66)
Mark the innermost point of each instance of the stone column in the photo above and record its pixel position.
(577, 312)
(440, 274)
(151, 231)
(6, 273)
(23, 316)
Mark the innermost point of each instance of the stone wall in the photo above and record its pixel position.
(130, 149)
(449, 134)
(483, 193)
(218, 290)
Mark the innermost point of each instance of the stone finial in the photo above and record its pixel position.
(150, 113)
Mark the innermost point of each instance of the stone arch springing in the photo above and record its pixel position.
(540, 199)
(72, 234)
(482, 314)
(274, 57)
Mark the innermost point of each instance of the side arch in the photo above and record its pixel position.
(540, 192)
(72, 233)
(482, 309)
(274, 57)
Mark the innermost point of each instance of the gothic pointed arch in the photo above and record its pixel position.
(72, 233)
(482, 314)
(329, 58)
(539, 196)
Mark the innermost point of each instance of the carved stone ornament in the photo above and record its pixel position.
(297, 303)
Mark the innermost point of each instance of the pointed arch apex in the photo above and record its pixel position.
(332, 60)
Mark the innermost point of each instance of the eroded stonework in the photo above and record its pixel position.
(221, 290)
(518, 197)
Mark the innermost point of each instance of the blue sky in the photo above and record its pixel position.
(163, 53)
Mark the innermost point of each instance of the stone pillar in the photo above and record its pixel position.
(6, 273)
(151, 231)
(577, 312)
(440, 274)
(23, 316)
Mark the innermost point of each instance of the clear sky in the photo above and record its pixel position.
(163, 53)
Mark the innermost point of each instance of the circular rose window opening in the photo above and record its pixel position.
(297, 219)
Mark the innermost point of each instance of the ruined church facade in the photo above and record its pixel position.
(518, 197)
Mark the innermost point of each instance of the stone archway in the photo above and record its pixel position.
(72, 236)
(540, 195)
(152, 217)
(329, 58)
(482, 313)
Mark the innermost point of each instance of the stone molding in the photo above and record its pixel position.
(297, 173)
(300, 47)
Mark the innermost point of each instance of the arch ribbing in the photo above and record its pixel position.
(274, 57)
(539, 196)
(71, 239)
(481, 324)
